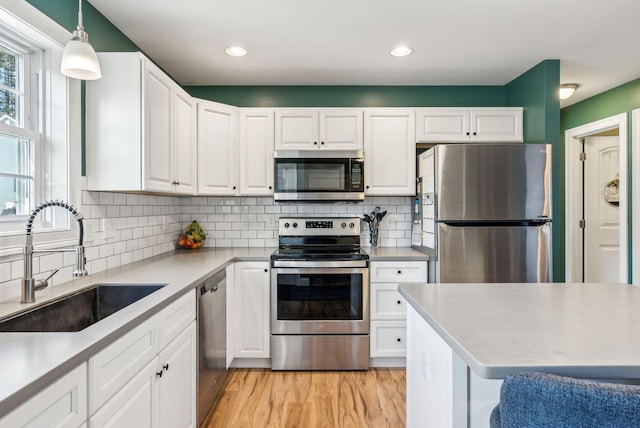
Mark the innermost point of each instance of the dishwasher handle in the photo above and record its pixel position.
(211, 285)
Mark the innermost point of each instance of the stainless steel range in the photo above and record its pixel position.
(319, 296)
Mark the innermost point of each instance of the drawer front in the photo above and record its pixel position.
(387, 303)
(388, 339)
(114, 366)
(398, 272)
(62, 404)
(173, 319)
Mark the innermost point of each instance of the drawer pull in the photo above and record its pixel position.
(399, 272)
(165, 367)
(399, 302)
(159, 374)
(399, 340)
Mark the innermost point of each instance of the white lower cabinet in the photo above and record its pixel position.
(177, 384)
(252, 322)
(113, 367)
(389, 309)
(137, 381)
(133, 404)
(62, 404)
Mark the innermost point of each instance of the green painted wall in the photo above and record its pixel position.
(622, 99)
(537, 92)
(352, 96)
(103, 35)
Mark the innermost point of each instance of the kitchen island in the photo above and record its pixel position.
(463, 339)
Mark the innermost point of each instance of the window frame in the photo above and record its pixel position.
(59, 125)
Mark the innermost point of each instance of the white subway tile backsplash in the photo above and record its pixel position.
(148, 225)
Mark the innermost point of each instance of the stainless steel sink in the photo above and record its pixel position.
(78, 311)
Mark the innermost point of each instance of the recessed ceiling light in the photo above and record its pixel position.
(401, 51)
(236, 51)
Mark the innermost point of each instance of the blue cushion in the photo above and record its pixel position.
(534, 400)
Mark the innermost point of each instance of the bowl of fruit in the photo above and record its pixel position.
(193, 237)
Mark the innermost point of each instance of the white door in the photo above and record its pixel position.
(602, 231)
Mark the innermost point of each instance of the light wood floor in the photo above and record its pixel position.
(258, 398)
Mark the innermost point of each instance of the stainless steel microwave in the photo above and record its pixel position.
(321, 175)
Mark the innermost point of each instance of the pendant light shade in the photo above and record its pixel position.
(79, 60)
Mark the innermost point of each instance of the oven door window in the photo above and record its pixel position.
(311, 175)
(316, 297)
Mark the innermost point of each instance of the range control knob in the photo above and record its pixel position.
(286, 225)
(295, 224)
(343, 225)
(352, 225)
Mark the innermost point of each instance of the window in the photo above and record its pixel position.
(18, 138)
(39, 128)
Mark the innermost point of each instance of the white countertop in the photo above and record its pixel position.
(395, 253)
(31, 361)
(580, 330)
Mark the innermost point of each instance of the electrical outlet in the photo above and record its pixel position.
(108, 228)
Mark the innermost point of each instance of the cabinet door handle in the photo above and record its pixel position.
(159, 374)
(322, 143)
(475, 133)
(467, 133)
(399, 340)
(270, 187)
(315, 143)
(234, 187)
(165, 367)
(399, 302)
(399, 272)
(266, 270)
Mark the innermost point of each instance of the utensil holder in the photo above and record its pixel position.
(373, 237)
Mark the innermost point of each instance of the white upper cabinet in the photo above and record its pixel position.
(186, 147)
(256, 145)
(480, 124)
(139, 126)
(389, 152)
(310, 129)
(217, 149)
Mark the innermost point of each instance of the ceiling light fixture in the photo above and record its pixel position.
(567, 89)
(236, 51)
(79, 60)
(401, 51)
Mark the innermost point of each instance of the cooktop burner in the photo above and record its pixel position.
(314, 239)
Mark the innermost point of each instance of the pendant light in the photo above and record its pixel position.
(79, 60)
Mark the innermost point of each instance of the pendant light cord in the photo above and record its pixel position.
(80, 27)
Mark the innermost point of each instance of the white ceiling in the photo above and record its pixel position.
(347, 42)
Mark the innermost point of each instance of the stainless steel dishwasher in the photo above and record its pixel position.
(212, 342)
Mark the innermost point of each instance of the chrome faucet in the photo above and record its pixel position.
(29, 284)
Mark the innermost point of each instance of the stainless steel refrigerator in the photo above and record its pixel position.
(483, 212)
